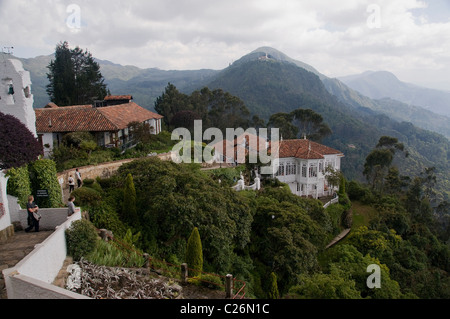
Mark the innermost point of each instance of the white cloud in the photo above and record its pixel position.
(334, 37)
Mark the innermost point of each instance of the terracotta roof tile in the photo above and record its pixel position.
(305, 149)
(85, 118)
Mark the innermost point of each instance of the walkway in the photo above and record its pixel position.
(15, 249)
(338, 238)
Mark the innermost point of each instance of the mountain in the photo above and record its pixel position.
(383, 84)
(269, 85)
(268, 82)
(145, 85)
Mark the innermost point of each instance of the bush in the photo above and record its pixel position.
(43, 175)
(19, 184)
(19, 146)
(86, 196)
(103, 216)
(110, 255)
(208, 281)
(81, 238)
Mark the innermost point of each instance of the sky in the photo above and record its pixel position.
(410, 38)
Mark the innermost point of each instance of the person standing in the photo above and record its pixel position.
(78, 176)
(71, 206)
(71, 184)
(31, 209)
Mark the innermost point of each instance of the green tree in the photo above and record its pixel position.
(170, 103)
(311, 124)
(273, 290)
(325, 286)
(129, 211)
(283, 121)
(194, 253)
(74, 77)
(380, 159)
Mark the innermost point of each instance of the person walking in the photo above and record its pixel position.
(71, 184)
(78, 176)
(33, 217)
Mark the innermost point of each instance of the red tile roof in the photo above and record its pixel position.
(305, 149)
(85, 118)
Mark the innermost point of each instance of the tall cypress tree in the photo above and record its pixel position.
(75, 77)
(194, 253)
(273, 289)
(129, 211)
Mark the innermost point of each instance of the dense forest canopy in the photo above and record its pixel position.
(258, 236)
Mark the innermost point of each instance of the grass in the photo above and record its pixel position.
(362, 215)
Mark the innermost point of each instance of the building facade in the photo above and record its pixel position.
(108, 121)
(303, 164)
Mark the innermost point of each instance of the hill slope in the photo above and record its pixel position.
(383, 84)
(269, 86)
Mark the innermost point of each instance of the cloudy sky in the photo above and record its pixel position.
(410, 38)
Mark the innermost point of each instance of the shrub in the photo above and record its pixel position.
(86, 196)
(81, 238)
(88, 182)
(108, 254)
(19, 184)
(43, 175)
(103, 216)
(208, 281)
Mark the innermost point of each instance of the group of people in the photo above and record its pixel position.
(72, 181)
(33, 210)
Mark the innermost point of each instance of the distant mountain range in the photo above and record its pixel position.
(378, 91)
(268, 82)
(383, 84)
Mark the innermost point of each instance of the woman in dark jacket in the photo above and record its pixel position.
(31, 209)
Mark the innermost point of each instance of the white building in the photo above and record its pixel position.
(16, 100)
(302, 165)
(107, 121)
(15, 92)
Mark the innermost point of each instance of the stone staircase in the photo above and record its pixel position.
(15, 248)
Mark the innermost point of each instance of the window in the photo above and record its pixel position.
(281, 170)
(313, 170)
(304, 170)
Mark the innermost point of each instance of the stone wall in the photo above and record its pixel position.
(104, 170)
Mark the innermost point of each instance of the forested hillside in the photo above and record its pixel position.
(272, 238)
(270, 86)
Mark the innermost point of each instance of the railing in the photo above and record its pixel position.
(331, 202)
(181, 272)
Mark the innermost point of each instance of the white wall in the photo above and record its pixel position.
(20, 104)
(5, 220)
